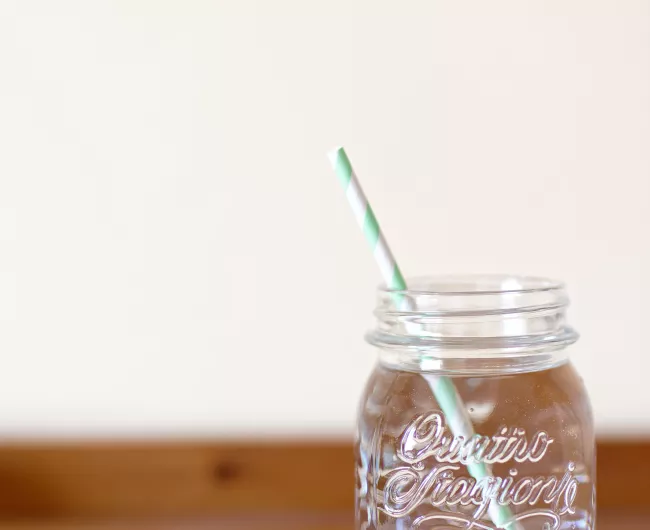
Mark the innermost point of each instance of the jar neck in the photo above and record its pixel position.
(463, 324)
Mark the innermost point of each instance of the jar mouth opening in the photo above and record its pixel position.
(475, 284)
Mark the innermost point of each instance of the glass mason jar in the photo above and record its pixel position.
(474, 417)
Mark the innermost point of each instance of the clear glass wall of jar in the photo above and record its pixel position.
(490, 351)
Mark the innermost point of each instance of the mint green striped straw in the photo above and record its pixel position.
(442, 387)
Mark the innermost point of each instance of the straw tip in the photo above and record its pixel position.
(334, 154)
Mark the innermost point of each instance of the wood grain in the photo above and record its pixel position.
(606, 521)
(174, 479)
(109, 481)
(623, 474)
(244, 523)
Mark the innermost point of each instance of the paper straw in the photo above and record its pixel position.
(443, 388)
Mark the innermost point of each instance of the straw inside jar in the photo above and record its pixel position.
(442, 387)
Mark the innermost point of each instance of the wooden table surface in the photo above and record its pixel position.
(108, 480)
(606, 521)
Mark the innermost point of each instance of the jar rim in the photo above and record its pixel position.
(474, 312)
(475, 284)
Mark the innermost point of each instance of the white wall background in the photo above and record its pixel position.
(176, 256)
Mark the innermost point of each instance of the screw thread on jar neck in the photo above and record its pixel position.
(474, 317)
